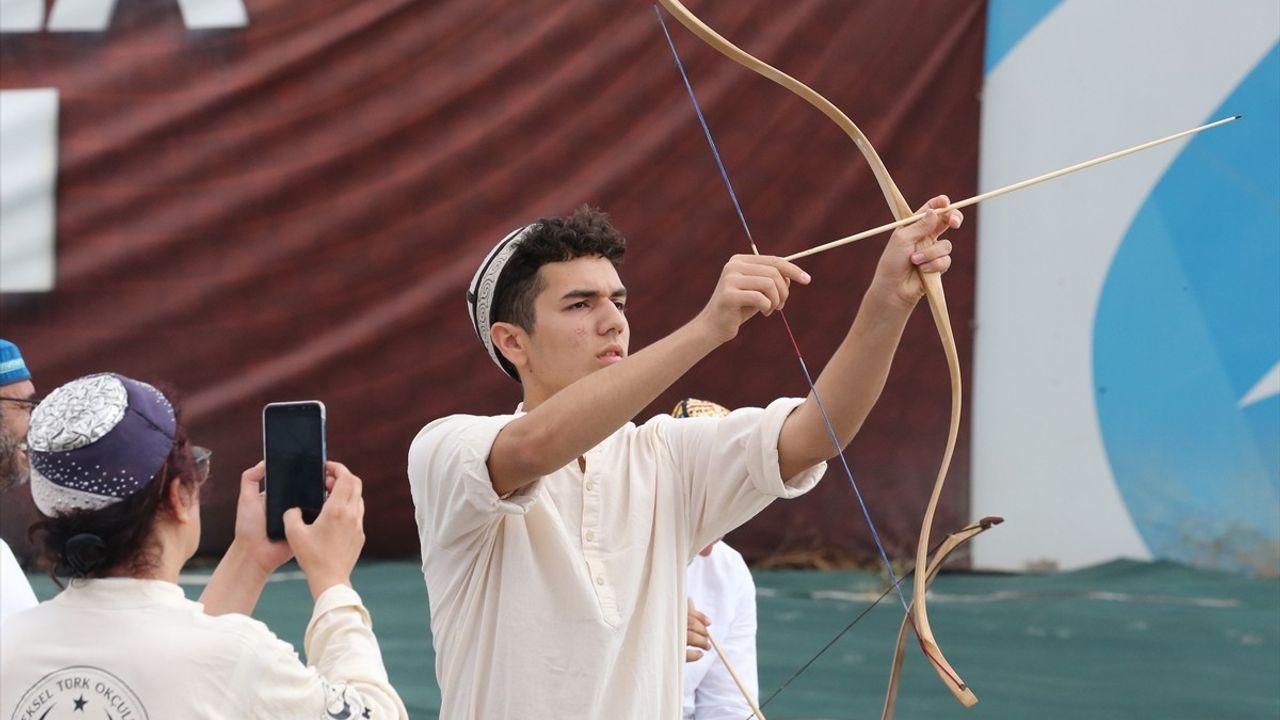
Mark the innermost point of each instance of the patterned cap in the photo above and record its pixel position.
(693, 407)
(13, 368)
(96, 441)
(484, 286)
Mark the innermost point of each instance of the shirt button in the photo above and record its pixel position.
(591, 535)
(591, 486)
(600, 580)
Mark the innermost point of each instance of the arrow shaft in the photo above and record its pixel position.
(1008, 189)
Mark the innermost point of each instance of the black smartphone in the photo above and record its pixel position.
(294, 447)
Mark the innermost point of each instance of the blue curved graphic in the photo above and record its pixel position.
(1008, 21)
(1188, 324)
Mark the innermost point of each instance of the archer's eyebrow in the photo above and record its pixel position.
(584, 294)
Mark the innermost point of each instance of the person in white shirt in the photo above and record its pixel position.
(17, 397)
(114, 474)
(721, 588)
(555, 538)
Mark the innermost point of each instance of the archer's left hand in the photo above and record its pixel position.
(917, 245)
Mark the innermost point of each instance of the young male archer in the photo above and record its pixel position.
(555, 538)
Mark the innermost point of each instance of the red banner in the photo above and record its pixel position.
(291, 209)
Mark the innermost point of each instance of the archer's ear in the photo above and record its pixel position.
(512, 341)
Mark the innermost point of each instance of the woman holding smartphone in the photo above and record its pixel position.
(119, 484)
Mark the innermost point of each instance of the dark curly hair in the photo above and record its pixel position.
(585, 233)
(124, 528)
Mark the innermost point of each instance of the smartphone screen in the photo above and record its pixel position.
(294, 448)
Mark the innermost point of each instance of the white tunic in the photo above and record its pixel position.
(567, 599)
(137, 650)
(15, 591)
(721, 587)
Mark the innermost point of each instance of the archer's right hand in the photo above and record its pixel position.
(749, 284)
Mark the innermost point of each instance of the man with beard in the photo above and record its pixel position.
(17, 397)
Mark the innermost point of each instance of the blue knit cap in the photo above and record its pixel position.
(12, 367)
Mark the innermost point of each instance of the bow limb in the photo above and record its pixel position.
(940, 555)
(932, 283)
(891, 194)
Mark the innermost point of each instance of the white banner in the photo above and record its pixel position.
(1128, 329)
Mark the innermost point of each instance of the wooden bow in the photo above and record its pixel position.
(932, 283)
(949, 545)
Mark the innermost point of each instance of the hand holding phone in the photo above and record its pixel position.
(293, 444)
(327, 551)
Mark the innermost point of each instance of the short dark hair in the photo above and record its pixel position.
(125, 527)
(584, 233)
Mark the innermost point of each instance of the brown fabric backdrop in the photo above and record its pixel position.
(292, 210)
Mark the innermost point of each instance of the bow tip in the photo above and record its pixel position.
(959, 689)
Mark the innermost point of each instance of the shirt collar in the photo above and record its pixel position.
(119, 592)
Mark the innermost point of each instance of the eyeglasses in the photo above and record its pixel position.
(29, 402)
(203, 456)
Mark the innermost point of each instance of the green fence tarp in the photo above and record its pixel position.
(1114, 642)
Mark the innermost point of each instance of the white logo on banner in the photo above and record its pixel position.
(95, 15)
(28, 178)
(29, 133)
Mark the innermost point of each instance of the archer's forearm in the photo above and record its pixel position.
(586, 412)
(849, 385)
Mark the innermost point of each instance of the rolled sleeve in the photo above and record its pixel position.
(730, 466)
(449, 478)
(762, 449)
(474, 443)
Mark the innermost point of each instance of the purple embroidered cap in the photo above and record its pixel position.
(96, 441)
